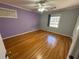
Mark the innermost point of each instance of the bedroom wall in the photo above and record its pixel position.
(66, 24)
(26, 21)
(74, 50)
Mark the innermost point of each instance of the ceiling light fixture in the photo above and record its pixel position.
(41, 8)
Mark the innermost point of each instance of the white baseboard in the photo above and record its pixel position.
(58, 33)
(20, 34)
(33, 31)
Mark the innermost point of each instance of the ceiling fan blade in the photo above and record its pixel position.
(49, 2)
(34, 0)
(31, 4)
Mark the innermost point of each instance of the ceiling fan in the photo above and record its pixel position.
(43, 5)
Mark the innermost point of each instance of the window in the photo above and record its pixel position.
(8, 13)
(54, 21)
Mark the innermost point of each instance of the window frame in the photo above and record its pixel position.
(49, 19)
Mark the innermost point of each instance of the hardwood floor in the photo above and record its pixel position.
(38, 45)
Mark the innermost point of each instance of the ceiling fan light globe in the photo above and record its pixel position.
(41, 9)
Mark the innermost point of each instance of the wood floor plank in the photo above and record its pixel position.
(38, 45)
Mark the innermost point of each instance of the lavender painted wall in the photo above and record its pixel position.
(26, 21)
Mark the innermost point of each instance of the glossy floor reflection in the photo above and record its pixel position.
(52, 40)
(39, 56)
(38, 45)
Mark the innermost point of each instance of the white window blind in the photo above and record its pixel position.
(54, 21)
(7, 13)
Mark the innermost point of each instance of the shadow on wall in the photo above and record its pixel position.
(77, 52)
(77, 56)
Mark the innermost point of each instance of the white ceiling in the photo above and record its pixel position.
(32, 4)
